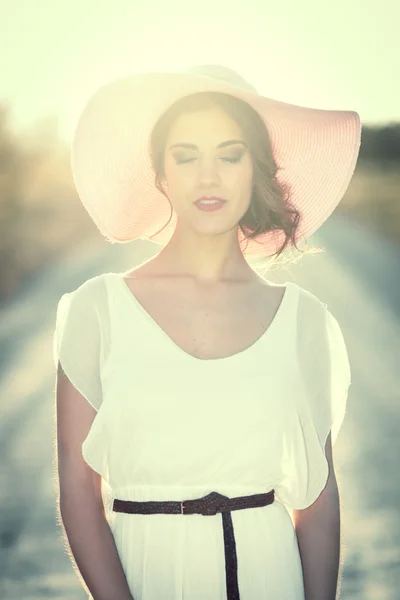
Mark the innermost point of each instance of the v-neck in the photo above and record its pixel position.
(285, 302)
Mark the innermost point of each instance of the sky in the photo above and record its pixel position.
(342, 55)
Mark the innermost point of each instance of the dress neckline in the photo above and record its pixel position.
(279, 315)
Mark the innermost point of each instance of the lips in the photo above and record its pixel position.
(210, 204)
(210, 198)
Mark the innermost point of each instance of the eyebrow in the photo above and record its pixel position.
(221, 145)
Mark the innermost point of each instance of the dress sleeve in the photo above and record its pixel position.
(324, 379)
(77, 342)
(327, 377)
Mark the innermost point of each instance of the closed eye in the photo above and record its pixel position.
(225, 158)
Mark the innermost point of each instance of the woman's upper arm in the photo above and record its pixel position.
(74, 419)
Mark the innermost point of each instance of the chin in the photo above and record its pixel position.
(215, 229)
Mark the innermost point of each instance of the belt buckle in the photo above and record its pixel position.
(206, 510)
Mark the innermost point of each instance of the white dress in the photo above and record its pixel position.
(170, 426)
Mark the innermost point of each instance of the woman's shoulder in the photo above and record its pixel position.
(308, 298)
(92, 287)
(312, 312)
(315, 320)
(89, 297)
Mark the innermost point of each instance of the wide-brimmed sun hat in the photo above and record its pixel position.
(316, 152)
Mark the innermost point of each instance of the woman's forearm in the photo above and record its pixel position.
(92, 545)
(318, 533)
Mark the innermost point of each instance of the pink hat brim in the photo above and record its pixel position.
(316, 151)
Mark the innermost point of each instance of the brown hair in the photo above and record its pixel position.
(269, 208)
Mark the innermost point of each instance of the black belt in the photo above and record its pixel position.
(208, 505)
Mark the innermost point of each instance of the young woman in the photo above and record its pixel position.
(197, 402)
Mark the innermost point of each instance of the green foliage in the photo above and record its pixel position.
(381, 144)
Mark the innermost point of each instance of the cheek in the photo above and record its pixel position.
(178, 188)
(242, 175)
(178, 178)
(242, 181)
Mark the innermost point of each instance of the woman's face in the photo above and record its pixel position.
(213, 165)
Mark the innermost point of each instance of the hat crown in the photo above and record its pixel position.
(223, 74)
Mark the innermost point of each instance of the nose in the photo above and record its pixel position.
(208, 173)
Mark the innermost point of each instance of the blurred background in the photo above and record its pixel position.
(326, 55)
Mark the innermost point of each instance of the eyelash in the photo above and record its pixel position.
(230, 160)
